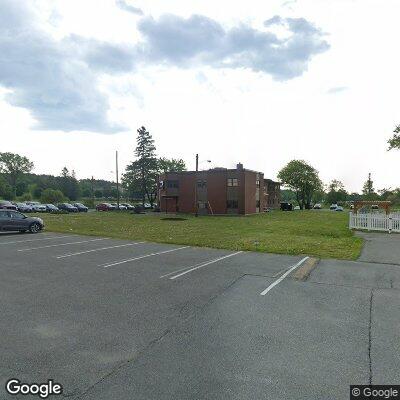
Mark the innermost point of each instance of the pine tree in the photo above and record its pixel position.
(141, 175)
(368, 188)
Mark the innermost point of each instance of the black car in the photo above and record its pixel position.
(285, 206)
(7, 205)
(81, 207)
(11, 220)
(67, 207)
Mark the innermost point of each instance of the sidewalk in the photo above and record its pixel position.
(381, 248)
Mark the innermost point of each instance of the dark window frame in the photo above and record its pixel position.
(172, 184)
(232, 204)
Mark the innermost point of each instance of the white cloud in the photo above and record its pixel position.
(192, 104)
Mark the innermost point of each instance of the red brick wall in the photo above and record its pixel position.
(186, 201)
(216, 191)
(250, 192)
(262, 197)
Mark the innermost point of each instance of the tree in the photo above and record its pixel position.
(51, 196)
(368, 189)
(171, 165)
(336, 192)
(6, 191)
(14, 166)
(303, 179)
(394, 142)
(69, 185)
(141, 174)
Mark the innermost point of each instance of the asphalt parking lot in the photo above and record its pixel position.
(113, 319)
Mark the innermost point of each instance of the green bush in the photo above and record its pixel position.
(51, 196)
(88, 202)
(25, 197)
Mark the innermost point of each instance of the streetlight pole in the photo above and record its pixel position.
(195, 187)
(92, 187)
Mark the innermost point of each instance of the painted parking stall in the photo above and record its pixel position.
(105, 315)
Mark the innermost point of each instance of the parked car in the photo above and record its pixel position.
(67, 207)
(81, 207)
(128, 206)
(339, 208)
(51, 208)
(139, 209)
(105, 207)
(285, 206)
(11, 220)
(333, 207)
(23, 207)
(147, 205)
(121, 206)
(39, 208)
(296, 208)
(317, 206)
(7, 205)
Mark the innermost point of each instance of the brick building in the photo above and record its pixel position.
(272, 194)
(216, 191)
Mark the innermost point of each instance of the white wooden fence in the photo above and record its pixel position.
(375, 222)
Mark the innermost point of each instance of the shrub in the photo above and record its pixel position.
(52, 196)
(25, 197)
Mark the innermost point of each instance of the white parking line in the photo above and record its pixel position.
(205, 264)
(280, 272)
(93, 250)
(36, 240)
(272, 285)
(141, 257)
(62, 244)
(184, 269)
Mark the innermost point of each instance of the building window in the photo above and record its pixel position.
(233, 182)
(201, 183)
(232, 204)
(257, 183)
(173, 184)
(258, 204)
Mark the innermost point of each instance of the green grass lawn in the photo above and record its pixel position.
(317, 233)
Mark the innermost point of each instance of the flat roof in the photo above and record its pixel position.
(214, 170)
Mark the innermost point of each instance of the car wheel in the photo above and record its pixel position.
(34, 228)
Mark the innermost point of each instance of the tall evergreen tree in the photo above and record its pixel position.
(394, 142)
(368, 189)
(141, 175)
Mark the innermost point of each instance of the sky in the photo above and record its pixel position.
(257, 82)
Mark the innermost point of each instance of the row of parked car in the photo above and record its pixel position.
(35, 206)
(121, 206)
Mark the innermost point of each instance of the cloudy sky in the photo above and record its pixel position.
(255, 81)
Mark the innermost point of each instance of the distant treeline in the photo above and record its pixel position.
(31, 186)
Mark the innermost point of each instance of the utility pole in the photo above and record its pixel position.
(93, 190)
(116, 171)
(195, 187)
